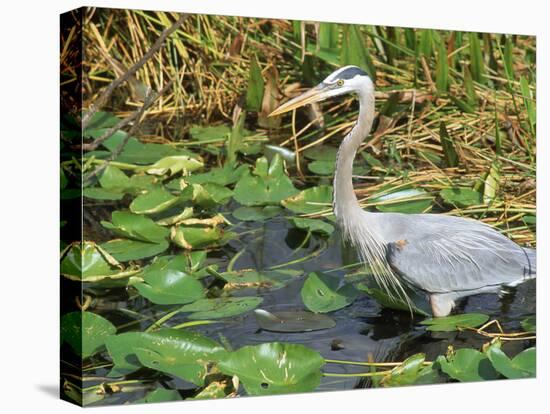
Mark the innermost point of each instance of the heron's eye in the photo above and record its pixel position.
(340, 82)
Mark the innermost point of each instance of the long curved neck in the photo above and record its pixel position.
(345, 202)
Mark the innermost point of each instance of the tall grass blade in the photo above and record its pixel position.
(426, 43)
(354, 51)
(449, 151)
(328, 35)
(528, 102)
(442, 70)
(477, 66)
(508, 59)
(255, 90)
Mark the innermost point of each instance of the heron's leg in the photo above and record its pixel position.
(442, 304)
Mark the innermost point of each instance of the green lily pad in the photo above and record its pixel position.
(87, 262)
(252, 279)
(523, 365)
(137, 227)
(136, 152)
(153, 201)
(220, 175)
(256, 213)
(455, 322)
(85, 332)
(177, 218)
(125, 249)
(181, 353)
(467, 365)
(322, 294)
(529, 323)
(461, 197)
(274, 368)
(321, 153)
(322, 167)
(160, 395)
(265, 185)
(113, 178)
(173, 165)
(310, 201)
(165, 286)
(388, 301)
(197, 237)
(220, 307)
(102, 119)
(211, 195)
(98, 193)
(293, 321)
(405, 201)
(313, 225)
(408, 372)
(120, 348)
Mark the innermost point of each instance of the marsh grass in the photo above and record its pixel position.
(455, 109)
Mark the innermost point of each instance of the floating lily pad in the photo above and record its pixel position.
(252, 279)
(407, 373)
(467, 365)
(102, 119)
(322, 167)
(113, 178)
(313, 225)
(120, 348)
(322, 293)
(256, 213)
(87, 262)
(311, 200)
(275, 368)
(461, 197)
(211, 195)
(321, 153)
(181, 353)
(165, 286)
(137, 227)
(153, 201)
(388, 301)
(221, 175)
(197, 237)
(173, 165)
(85, 332)
(98, 193)
(455, 322)
(293, 321)
(220, 307)
(160, 395)
(265, 185)
(177, 218)
(125, 249)
(530, 323)
(136, 152)
(523, 365)
(405, 201)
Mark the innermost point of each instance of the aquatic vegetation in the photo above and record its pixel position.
(211, 265)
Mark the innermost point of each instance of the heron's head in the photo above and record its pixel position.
(342, 81)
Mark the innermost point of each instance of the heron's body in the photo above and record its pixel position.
(444, 256)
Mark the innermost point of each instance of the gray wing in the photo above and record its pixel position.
(442, 254)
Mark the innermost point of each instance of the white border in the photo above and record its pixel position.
(29, 201)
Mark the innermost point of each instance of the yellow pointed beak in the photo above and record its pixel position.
(316, 94)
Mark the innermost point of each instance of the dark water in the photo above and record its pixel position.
(363, 330)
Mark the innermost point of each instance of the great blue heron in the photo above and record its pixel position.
(444, 256)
